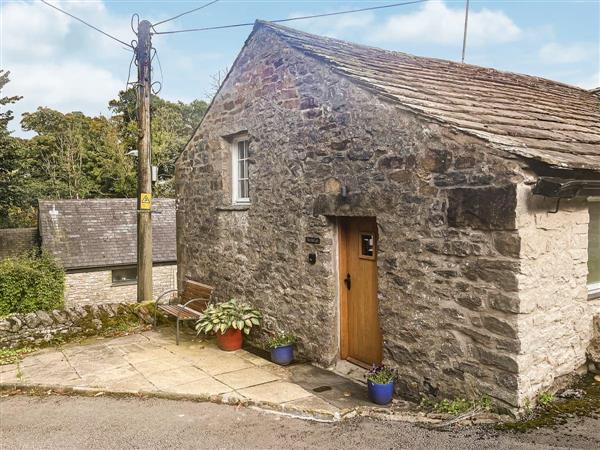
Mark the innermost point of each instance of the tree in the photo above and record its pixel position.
(12, 196)
(172, 125)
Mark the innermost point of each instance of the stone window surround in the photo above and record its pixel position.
(593, 288)
(235, 176)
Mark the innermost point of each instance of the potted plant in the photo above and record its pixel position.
(380, 384)
(282, 348)
(228, 320)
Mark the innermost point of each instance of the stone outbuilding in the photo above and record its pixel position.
(435, 216)
(96, 242)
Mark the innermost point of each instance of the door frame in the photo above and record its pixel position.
(342, 226)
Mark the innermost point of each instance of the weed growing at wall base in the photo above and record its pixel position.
(31, 282)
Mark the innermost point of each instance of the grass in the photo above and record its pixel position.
(456, 406)
(13, 355)
(552, 412)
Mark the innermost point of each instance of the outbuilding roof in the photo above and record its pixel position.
(527, 116)
(96, 233)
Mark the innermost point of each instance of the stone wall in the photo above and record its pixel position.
(15, 241)
(555, 315)
(95, 287)
(38, 328)
(445, 208)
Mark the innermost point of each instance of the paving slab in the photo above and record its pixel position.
(173, 377)
(151, 362)
(275, 392)
(203, 387)
(246, 377)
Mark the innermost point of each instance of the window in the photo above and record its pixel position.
(126, 275)
(367, 246)
(594, 249)
(240, 179)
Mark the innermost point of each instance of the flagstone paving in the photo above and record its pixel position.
(150, 362)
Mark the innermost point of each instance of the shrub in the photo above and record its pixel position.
(32, 282)
(231, 314)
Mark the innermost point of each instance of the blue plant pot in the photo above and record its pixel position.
(283, 355)
(380, 393)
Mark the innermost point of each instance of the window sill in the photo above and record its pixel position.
(239, 207)
(124, 283)
(593, 295)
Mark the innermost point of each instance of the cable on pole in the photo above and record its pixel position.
(184, 13)
(314, 16)
(85, 23)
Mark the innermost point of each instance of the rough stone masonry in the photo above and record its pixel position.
(461, 247)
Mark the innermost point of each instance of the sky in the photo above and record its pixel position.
(57, 62)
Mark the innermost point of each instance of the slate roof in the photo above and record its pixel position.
(103, 232)
(526, 116)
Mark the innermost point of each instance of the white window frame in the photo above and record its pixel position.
(235, 176)
(593, 288)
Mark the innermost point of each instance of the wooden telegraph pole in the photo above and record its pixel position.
(144, 186)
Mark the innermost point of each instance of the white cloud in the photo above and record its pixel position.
(437, 23)
(590, 82)
(434, 22)
(556, 53)
(58, 62)
(71, 86)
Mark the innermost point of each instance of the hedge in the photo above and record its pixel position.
(32, 282)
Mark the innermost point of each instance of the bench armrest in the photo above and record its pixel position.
(157, 302)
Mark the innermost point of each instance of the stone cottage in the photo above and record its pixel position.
(96, 242)
(436, 216)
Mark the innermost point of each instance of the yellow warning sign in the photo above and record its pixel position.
(145, 200)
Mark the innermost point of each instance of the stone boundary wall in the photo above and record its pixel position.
(14, 241)
(40, 327)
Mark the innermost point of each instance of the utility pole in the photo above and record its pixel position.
(144, 186)
(465, 32)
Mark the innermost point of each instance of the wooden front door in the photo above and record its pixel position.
(360, 333)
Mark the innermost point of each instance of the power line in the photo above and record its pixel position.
(184, 13)
(85, 23)
(371, 8)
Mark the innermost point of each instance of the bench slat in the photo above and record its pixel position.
(179, 311)
(193, 289)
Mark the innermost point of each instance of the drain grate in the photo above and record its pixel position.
(322, 389)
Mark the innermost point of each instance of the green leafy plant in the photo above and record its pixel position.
(457, 406)
(13, 355)
(231, 314)
(281, 340)
(381, 374)
(32, 282)
(545, 398)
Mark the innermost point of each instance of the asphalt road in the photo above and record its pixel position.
(61, 422)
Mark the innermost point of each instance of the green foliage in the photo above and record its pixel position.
(559, 412)
(281, 340)
(13, 355)
(456, 406)
(382, 374)
(73, 155)
(545, 398)
(231, 314)
(172, 125)
(30, 283)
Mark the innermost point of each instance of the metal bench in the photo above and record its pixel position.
(188, 304)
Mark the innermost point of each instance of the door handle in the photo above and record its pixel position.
(348, 281)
